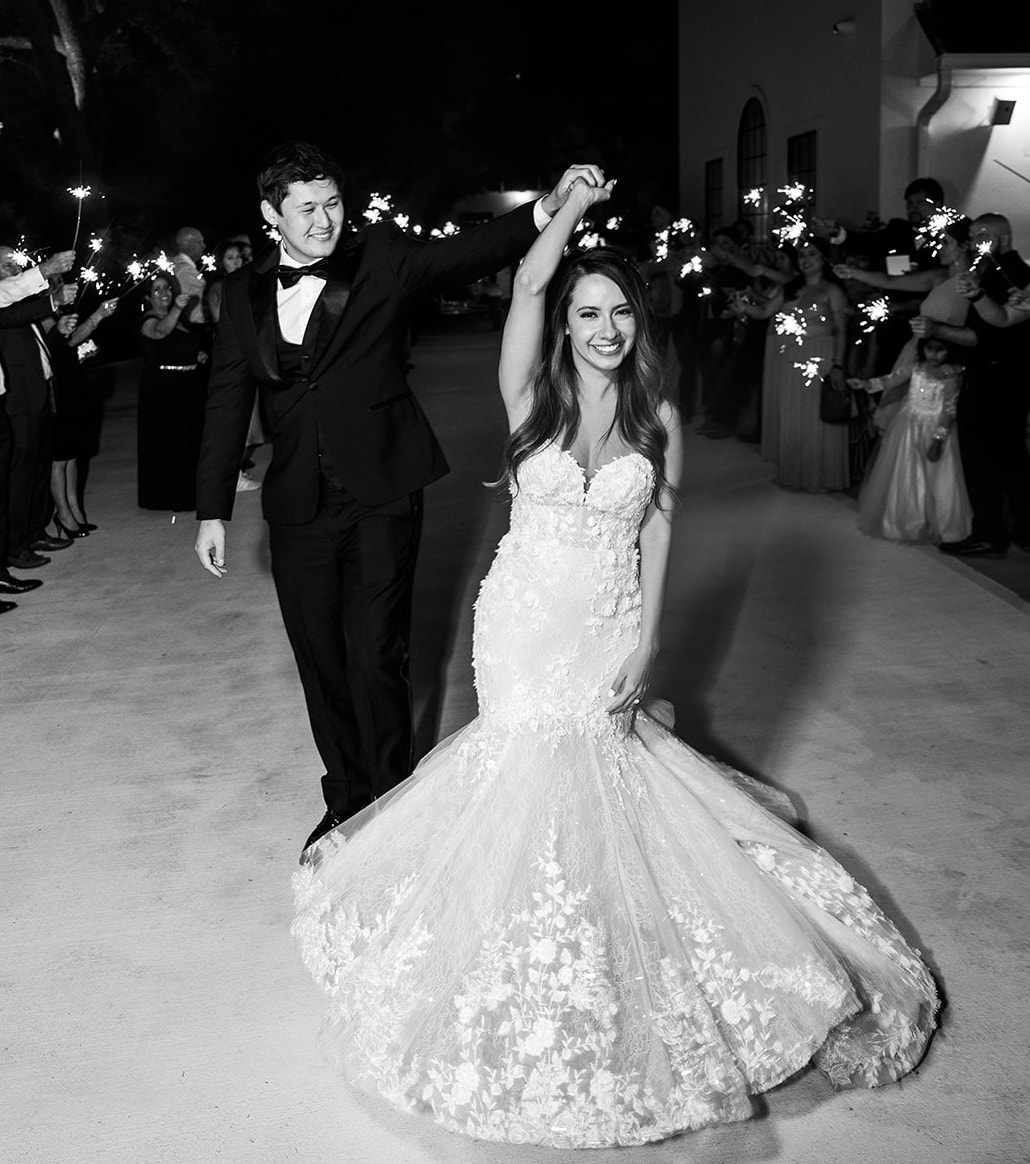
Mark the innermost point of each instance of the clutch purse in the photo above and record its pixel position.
(834, 402)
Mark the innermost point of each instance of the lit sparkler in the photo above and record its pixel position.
(875, 311)
(931, 233)
(446, 231)
(208, 263)
(86, 349)
(81, 193)
(810, 369)
(754, 197)
(792, 325)
(379, 205)
(589, 240)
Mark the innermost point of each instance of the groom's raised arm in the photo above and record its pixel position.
(480, 250)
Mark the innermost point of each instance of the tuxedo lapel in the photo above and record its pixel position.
(329, 319)
(263, 291)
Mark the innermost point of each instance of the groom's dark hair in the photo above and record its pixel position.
(295, 161)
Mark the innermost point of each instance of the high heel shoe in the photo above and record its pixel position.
(88, 526)
(63, 531)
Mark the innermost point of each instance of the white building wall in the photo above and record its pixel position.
(869, 90)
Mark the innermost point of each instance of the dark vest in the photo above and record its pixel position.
(291, 360)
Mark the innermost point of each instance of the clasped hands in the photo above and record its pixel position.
(588, 178)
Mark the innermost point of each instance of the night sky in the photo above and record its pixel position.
(185, 96)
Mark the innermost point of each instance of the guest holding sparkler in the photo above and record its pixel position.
(189, 245)
(170, 413)
(915, 491)
(942, 313)
(28, 403)
(992, 413)
(806, 342)
(70, 421)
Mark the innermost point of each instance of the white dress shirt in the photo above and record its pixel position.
(296, 303)
(17, 287)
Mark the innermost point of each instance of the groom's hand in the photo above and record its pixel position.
(210, 546)
(591, 175)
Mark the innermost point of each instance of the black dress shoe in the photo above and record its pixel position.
(50, 544)
(12, 585)
(6, 606)
(27, 560)
(332, 818)
(974, 548)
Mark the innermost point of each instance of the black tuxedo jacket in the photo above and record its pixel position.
(27, 390)
(353, 395)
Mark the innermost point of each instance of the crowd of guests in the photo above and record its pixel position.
(44, 333)
(917, 324)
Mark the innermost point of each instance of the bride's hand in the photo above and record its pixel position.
(632, 681)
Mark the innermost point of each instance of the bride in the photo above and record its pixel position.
(566, 927)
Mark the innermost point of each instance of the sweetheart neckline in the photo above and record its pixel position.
(589, 481)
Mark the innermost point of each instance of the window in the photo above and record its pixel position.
(751, 160)
(713, 195)
(801, 159)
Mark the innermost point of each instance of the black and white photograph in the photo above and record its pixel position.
(514, 582)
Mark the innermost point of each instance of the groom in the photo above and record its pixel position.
(317, 328)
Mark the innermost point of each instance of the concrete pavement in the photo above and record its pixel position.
(159, 779)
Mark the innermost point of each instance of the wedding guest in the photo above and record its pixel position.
(809, 454)
(189, 248)
(170, 412)
(915, 491)
(992, 411)
(28, 404)
(69, 518)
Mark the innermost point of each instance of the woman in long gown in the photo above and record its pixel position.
(566, 927)
(806, 342)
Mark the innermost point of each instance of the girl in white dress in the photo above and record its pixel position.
(566, 927)
(915, 491)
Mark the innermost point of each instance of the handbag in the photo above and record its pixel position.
(834, 402)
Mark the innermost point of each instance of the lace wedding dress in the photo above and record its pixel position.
(568, 928)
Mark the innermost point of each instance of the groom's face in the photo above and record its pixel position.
(309, 220)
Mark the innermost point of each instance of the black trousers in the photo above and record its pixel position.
(345, 583)
(991, 420)
(28, 506)
(6, 453)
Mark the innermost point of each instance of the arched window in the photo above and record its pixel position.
(751, 159)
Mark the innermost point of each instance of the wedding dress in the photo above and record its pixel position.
(568, 928)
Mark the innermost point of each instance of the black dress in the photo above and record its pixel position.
(169, 420)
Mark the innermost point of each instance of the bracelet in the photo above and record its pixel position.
(978, 296)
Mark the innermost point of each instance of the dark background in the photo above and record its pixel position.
(181, 98)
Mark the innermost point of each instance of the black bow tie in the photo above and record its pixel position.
(288, 276)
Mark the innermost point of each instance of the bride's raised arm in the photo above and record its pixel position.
(524, 327)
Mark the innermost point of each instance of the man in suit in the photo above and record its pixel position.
(318, 327)
(28, 404)
(995, 399)
(16, 285)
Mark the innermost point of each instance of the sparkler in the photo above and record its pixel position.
(445, 231)
(379, 205)
(81, 193)
(792, 325)
(754, 197)
(875, 311)
(86, 349)
(810, 369)
(931, 233)
(208, 264)
(985, 250)
(589, 240)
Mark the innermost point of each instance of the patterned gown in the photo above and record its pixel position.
(568, 928)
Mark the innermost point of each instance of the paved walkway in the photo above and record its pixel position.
(159, 779)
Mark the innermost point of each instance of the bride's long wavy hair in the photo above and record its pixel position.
(554, 411)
